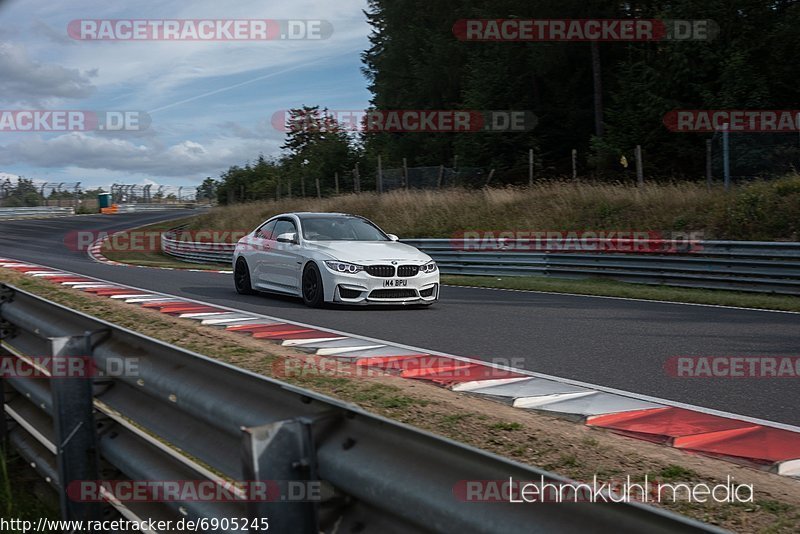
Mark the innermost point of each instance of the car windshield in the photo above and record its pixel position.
(341, 229)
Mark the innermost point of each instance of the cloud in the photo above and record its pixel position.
(184, 159)
(6, 176)
(26, 80)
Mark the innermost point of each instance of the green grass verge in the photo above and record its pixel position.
(611, 288)
(155, 258)
(17, 498)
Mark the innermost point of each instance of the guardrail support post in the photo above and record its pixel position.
(6, 330)
(74, 423)
(282, 454)
(3, 418)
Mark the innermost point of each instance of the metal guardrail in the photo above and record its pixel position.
(196, 252)
(185, 417)
(38, 212)
(764, 267)
(130, 208)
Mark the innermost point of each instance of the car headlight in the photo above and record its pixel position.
(428, 268)
(343, 267)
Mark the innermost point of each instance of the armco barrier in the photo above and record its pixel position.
(35, 212)
(134, 208)
(184, 417)
(763, 267)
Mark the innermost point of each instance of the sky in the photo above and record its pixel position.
(210, 103)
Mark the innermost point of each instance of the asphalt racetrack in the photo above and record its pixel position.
(622, 344)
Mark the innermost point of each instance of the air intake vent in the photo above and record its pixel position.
(393, 294)
(380, 271)
(407, 271)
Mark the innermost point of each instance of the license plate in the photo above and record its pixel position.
(395, 283)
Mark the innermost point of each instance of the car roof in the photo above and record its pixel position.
(317, 215)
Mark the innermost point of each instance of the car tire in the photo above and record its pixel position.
(241, 278)
(311, 286)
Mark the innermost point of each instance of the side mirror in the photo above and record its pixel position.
(392, 237)
(290, 237)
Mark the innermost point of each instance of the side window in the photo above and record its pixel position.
(284, 227)
(266, 231)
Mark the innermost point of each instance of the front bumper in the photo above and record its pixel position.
(363, 289)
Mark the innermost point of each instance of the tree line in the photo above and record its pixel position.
(599, 98)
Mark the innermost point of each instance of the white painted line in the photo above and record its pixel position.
(670, 302)
(466, 387)
(227, 321)
(343, 350)
(142, 300)
(541, 400)
(301, 342)
(790, 468)
(201, 315)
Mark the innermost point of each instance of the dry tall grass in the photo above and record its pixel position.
(760, 210)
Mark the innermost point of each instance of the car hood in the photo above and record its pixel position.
(368, 251)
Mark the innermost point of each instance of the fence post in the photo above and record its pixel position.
(574, 163)
(356, 180)
(380, 175)
(441, 177)
(491, 175)
(639, 166)
(530, 168)
(405, 174)
(319, 195)
(74, 425)
(3, 420)
(336, 180)
(282, 454)
(726, 156)
(709, 176)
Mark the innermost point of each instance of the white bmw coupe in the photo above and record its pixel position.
(333, 258)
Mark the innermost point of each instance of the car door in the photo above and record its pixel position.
(285, 257)
(258, 253)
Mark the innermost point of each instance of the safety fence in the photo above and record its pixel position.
(135, 208)
(37, 212)
(177, 416)
(764, 267)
